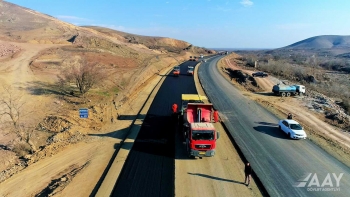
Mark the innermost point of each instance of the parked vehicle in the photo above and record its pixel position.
(288, 90)
(260, 74)
(199, 133)
(176, 71)
(190, 70)
(292, 128)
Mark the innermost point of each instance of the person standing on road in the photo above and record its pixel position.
(174, 108)
(247, 172)
(216, 116)
(174, 114)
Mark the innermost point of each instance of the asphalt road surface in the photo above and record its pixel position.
(279, 162)
(150, 167)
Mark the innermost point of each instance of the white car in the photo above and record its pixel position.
(292, 128)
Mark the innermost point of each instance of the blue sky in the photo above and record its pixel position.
(208, 23)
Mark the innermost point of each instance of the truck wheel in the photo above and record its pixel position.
(283, 94)
(288, 94)
(296, 93)
(279, 127)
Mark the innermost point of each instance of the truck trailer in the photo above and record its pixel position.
(190, 98)
(288, 90)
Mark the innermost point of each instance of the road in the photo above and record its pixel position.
(278, 161)
(158, 165)
(150, 167)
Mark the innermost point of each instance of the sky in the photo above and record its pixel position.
(208, 23)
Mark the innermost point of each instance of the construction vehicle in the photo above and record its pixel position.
(190, 70)
(190, 98)
(199, 133)
(176, 71)
(288, 90)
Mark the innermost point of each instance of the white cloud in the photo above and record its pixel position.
(246, 3)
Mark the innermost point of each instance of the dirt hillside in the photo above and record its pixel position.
(41, 131)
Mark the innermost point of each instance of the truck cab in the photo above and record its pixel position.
(199, 133)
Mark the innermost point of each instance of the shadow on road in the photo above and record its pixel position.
(119, 134)
(267, 123)
(215, 178)
(131, 117)
(272, 131)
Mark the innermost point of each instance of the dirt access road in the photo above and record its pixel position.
(15, 72)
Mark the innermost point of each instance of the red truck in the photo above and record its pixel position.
(198, 131)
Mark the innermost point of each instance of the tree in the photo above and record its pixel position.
(11, 104)
(84, 74)
(12, 109)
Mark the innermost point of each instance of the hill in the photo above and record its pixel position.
(322, 42)
(36, 53)
(25, 25)
(158, 43)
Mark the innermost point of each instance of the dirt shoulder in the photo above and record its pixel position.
(334, 140)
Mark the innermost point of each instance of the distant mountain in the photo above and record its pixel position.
(322, 42)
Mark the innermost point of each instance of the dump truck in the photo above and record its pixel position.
(199, 133)
(190, 98)
(176, 71)
(288, 90)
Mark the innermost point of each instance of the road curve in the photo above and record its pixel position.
(278, 161)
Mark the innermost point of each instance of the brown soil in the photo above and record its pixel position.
(64, 147)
